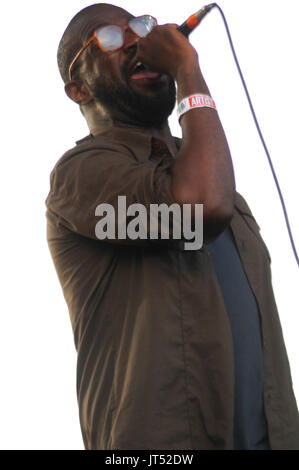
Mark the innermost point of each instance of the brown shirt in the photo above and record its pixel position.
(155, 363)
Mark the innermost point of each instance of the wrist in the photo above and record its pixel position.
(190, 80)
(195, 101)
(189, 65)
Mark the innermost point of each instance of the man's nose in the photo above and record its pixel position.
(131, 39)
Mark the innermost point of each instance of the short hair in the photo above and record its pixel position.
(73, 39)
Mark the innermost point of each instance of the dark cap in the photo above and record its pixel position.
(76, 34)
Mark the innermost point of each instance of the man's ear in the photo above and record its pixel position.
(78, 92)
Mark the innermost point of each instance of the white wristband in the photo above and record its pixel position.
(195, 101)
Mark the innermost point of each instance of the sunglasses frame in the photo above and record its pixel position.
(95, 38)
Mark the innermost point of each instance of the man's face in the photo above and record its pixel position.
(137, 96)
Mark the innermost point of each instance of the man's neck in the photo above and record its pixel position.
(100, 121)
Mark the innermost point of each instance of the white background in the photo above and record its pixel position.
(38, 405)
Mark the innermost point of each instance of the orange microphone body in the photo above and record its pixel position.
(187, 27)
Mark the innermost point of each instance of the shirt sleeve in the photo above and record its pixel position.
(90, 177)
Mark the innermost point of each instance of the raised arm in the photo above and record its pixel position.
(202, 171)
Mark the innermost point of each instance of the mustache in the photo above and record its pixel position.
(125, 66)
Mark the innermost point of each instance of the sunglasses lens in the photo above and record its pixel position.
(110, 37)
(142, 25)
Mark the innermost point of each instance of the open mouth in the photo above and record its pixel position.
(141, 71)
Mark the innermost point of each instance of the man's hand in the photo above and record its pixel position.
(166, 50)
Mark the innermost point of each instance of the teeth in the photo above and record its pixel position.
(138, 65)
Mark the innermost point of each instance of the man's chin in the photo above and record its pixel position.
(146, 102)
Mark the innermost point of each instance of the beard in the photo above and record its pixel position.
(148, 110)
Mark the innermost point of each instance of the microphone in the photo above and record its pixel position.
(193, 21)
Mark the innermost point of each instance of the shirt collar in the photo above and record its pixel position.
(136, 139)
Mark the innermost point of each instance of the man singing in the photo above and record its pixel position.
(177, 349)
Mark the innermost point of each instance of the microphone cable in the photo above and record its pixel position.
(202, 13)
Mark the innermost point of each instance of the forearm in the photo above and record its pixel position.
(202, 171)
